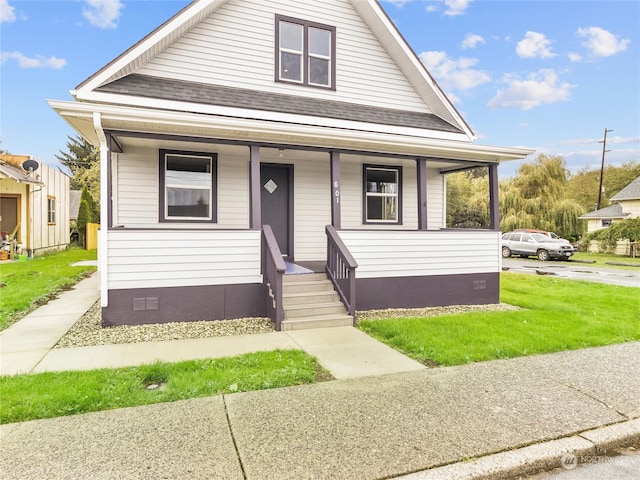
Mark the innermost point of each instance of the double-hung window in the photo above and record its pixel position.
(188, 186)
(382, 194)
(305, 52)
(51, 210)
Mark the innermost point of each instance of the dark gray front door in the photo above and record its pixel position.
(276, 200)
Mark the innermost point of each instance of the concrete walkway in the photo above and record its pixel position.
(27, 346)
(498, 419)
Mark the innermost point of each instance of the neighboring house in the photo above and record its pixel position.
(627, 205)
(36, 201)
(242, 133)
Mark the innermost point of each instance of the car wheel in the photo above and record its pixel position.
(506, 252)
(543, 255)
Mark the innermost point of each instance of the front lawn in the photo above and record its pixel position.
(558, 314)
(55, 394)
(601, 259)
(25, 285)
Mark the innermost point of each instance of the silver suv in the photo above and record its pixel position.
(530, 244)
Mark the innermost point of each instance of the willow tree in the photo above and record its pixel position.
(536, 198)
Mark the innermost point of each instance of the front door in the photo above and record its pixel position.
(8, 214)
(276, 200)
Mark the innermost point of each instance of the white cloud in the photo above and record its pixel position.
(601, 42)
(451, 7)
(542, 87)
(454, 74)
(397, 3)
(38, 61)
(456, 7)
(7, 12)
(471, 40)
(575, 57)
(103, 13)
(534, 45)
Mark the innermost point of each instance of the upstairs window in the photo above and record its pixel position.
(382, 194)
(305, 53)
(188, 187)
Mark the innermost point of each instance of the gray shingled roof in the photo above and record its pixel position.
(612, 211)
(167, 89)
(630, 192)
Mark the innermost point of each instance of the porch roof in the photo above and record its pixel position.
(286, 130)
(16, 174)
(612, 211)
(191, 92)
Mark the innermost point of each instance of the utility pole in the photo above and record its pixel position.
(604, 150)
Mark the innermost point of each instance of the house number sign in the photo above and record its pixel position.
(336, 191)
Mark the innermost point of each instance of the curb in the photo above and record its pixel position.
(537, 458)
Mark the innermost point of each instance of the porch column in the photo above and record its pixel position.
(255, 217)
(335, 190)
(494, 204)
(422, 192)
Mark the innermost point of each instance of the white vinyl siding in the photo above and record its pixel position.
(170, 258)
(138, 189)
(235, 47)
(416, 253)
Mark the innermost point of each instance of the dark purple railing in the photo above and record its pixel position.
(273, 268)
(341, 269)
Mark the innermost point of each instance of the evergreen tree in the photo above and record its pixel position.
(84, 217)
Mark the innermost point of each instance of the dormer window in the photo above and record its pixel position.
(305, 53)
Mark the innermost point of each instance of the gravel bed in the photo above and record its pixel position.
(88, 331)
(433, 311)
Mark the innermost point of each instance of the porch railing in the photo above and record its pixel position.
(341, 269)
(273, 268)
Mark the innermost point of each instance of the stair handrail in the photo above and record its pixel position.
(341, 269)
(273, 268)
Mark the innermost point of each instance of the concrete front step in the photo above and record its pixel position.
(307, 298)
(313, 309)
(308, 287)
(317, 321)
(310, 301)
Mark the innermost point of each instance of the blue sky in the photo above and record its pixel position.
(549, 75)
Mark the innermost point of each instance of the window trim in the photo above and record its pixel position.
(51, 212)
(398, 170)
(162, 193)
(305, 52)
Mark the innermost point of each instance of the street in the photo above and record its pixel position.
(574, 270)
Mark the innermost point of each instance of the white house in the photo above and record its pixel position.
(242, 134)
(625, 204)
(34, 203)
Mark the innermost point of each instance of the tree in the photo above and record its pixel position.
(84, 217)
(623, 230)
(83, 161)
(468, 199)
(536, 198)
(94, 213)
(583, 186)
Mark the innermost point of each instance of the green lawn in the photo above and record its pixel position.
(601, 259)
(46, 395)
(558, 314)
(25, 285)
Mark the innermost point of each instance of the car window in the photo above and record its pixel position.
(527, 238)
(507, 236)
(515, 237)
(539, 237)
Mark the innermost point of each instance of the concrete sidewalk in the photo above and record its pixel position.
(487, 420)
(387, 416)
